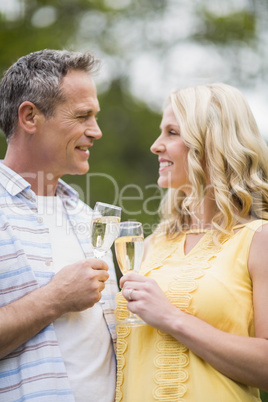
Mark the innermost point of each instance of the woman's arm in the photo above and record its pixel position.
(243, 359)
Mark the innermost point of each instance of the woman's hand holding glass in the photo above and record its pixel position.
(129, 247)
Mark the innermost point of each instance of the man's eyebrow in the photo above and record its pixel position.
(85, 112)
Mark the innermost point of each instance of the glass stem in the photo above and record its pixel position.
(131, 315)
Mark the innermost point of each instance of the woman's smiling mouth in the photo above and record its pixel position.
(164, 164)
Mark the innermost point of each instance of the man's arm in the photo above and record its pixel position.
(75, 288)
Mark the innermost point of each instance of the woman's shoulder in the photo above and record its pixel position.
(258, 253)
(256, 224)
(249, 227)
(260, 237)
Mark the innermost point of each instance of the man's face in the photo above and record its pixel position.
(64, 139)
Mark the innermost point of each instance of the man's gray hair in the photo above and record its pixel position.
(37, 78)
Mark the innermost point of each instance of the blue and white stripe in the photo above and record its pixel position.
(36, 371)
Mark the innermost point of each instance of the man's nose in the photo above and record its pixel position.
(94, 131)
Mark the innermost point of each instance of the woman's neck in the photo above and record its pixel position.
(202, 218)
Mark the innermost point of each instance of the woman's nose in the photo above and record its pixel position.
(158, 146)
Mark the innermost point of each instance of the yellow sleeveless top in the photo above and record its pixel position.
(209, 282)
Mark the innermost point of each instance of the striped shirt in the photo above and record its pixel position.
(35, 371)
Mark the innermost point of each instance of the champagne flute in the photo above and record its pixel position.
(104, 227)
(129, 247)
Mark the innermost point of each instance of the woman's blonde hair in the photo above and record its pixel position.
(224, 142)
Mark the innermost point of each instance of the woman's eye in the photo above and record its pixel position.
(173, 132)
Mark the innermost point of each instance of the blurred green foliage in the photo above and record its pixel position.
(121, 163)
(264, 396)
(19, 36)
(122, 169)
(129, 125)
(226, 29)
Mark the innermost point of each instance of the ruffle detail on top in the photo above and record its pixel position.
(172, 357)
(156, 260)
(171, 369)
(123, 331)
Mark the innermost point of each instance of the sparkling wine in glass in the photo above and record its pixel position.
(129, 248)
(104, 227)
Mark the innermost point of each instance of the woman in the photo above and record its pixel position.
(203, 292)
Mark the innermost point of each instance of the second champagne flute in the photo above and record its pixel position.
(104, 227)
(129, 248)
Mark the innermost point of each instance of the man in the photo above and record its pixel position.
(55, 332)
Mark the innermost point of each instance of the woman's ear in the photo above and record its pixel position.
(28, 116)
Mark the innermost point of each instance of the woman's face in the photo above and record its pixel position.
(172, 153)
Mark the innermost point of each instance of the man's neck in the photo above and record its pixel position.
(42, 181)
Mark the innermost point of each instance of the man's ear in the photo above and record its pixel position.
(28, 116)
